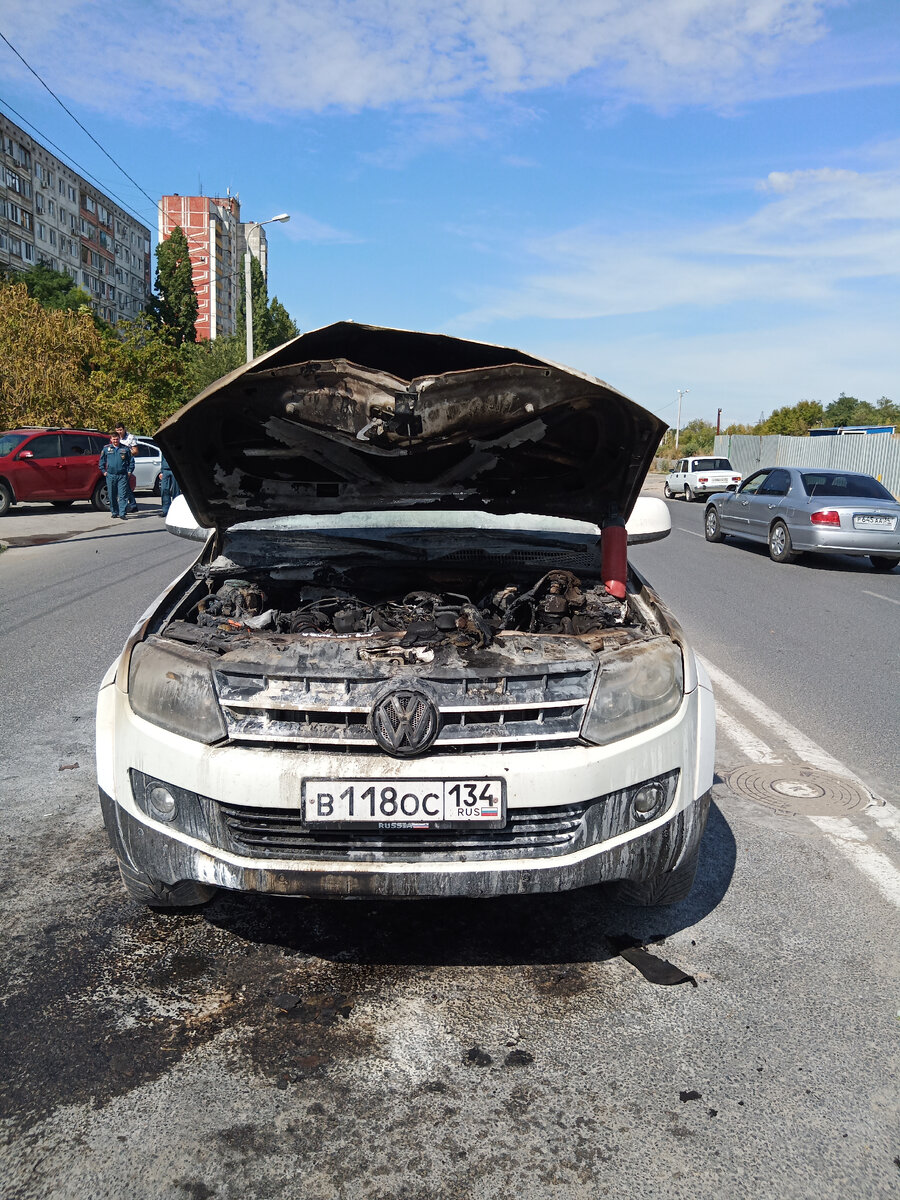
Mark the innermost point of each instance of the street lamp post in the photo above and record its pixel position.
(681, 392)
(248, 294)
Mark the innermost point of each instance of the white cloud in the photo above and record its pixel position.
(284, 56)
(819, 231)
(302, 228)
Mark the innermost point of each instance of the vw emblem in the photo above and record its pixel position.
(405, 723)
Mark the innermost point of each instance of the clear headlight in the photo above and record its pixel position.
(636, 688)
(174, 689)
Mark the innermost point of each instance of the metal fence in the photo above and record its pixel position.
(876, 454)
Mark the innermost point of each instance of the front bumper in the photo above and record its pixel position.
(268, 778)
(155, 855)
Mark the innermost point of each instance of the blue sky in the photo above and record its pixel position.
(701, 194)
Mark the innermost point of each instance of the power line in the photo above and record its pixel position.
(100, 147)
(68, 157)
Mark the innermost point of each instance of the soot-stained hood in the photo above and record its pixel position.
(352, 418)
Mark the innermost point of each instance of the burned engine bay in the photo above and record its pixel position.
(397, 612)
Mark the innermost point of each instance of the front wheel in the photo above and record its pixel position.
(883, 562)
(5, 499)
(712, 526)
(667, 492)
(100, 497)
(781, 549)
(688, 493)
(156, 486)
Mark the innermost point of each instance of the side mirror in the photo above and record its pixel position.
(732, 487)
(182, 522)
(25, 454)
(650, 521)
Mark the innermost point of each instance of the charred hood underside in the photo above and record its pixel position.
(352, 418)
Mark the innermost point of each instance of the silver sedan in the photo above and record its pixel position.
(796, 509)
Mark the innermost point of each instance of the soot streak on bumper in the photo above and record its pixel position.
(154, 855)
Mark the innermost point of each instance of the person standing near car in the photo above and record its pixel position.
(168, 488)
(115, 463)
(129, 440)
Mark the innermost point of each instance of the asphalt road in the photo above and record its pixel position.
(457, 1049)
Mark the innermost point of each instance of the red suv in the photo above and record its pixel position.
(59, 465)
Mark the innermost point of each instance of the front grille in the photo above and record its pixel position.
(478, 713)
(269, 833)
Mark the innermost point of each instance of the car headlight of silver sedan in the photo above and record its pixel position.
(174, 689)
(637, 688)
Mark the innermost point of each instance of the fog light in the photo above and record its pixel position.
(161, 803)
(649, 800)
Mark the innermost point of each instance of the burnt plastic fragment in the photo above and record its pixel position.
(651, 966)
(691, 1095)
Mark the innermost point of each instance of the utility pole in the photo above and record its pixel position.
(718, 422)
(681, 392)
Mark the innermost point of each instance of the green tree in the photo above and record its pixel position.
(839, 412)
(794, 420)
(176, 305)
(697, 437)
(54, 289)
(210, 359)
(139, 375)
(45, 361)
(281, 326)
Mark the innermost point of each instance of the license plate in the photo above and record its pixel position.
(874, 522)
(404, 805)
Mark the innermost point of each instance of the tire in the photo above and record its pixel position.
(62, 503)
(667, 492)
(712, 526)
(156, 487)
(6, 499)
(100, 498)
(668, 887)
(688, 493)
(781, 548)
(185, 894)
(883, 562)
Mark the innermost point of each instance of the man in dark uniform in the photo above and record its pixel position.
(168, 488)
(115, 463)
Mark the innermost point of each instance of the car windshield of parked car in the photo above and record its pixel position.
(836, 484)
(9, 441)
(712, 464)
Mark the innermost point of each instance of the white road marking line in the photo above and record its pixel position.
(755, 748)
(803, 746)
(878, 596)
(886, 816)
(692, 532)
(853, 844)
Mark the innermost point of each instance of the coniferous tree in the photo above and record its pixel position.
(176, 302)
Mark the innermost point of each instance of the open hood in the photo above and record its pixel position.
(355, 418)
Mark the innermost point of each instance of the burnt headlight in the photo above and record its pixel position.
(174, 689)
(638, 687)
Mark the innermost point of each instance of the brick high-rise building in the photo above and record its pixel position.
(217, 242)
(50, 214)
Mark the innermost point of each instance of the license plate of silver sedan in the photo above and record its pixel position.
(406, 805)
(871, 521)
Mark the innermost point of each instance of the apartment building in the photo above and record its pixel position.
(50, 214)
(216, 241)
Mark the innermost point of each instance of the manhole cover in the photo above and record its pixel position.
(797, 790)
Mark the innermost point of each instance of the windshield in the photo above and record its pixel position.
(712, 464)
(9, 441)
(837, 484)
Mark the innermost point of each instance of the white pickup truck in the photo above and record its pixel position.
(696, 477)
